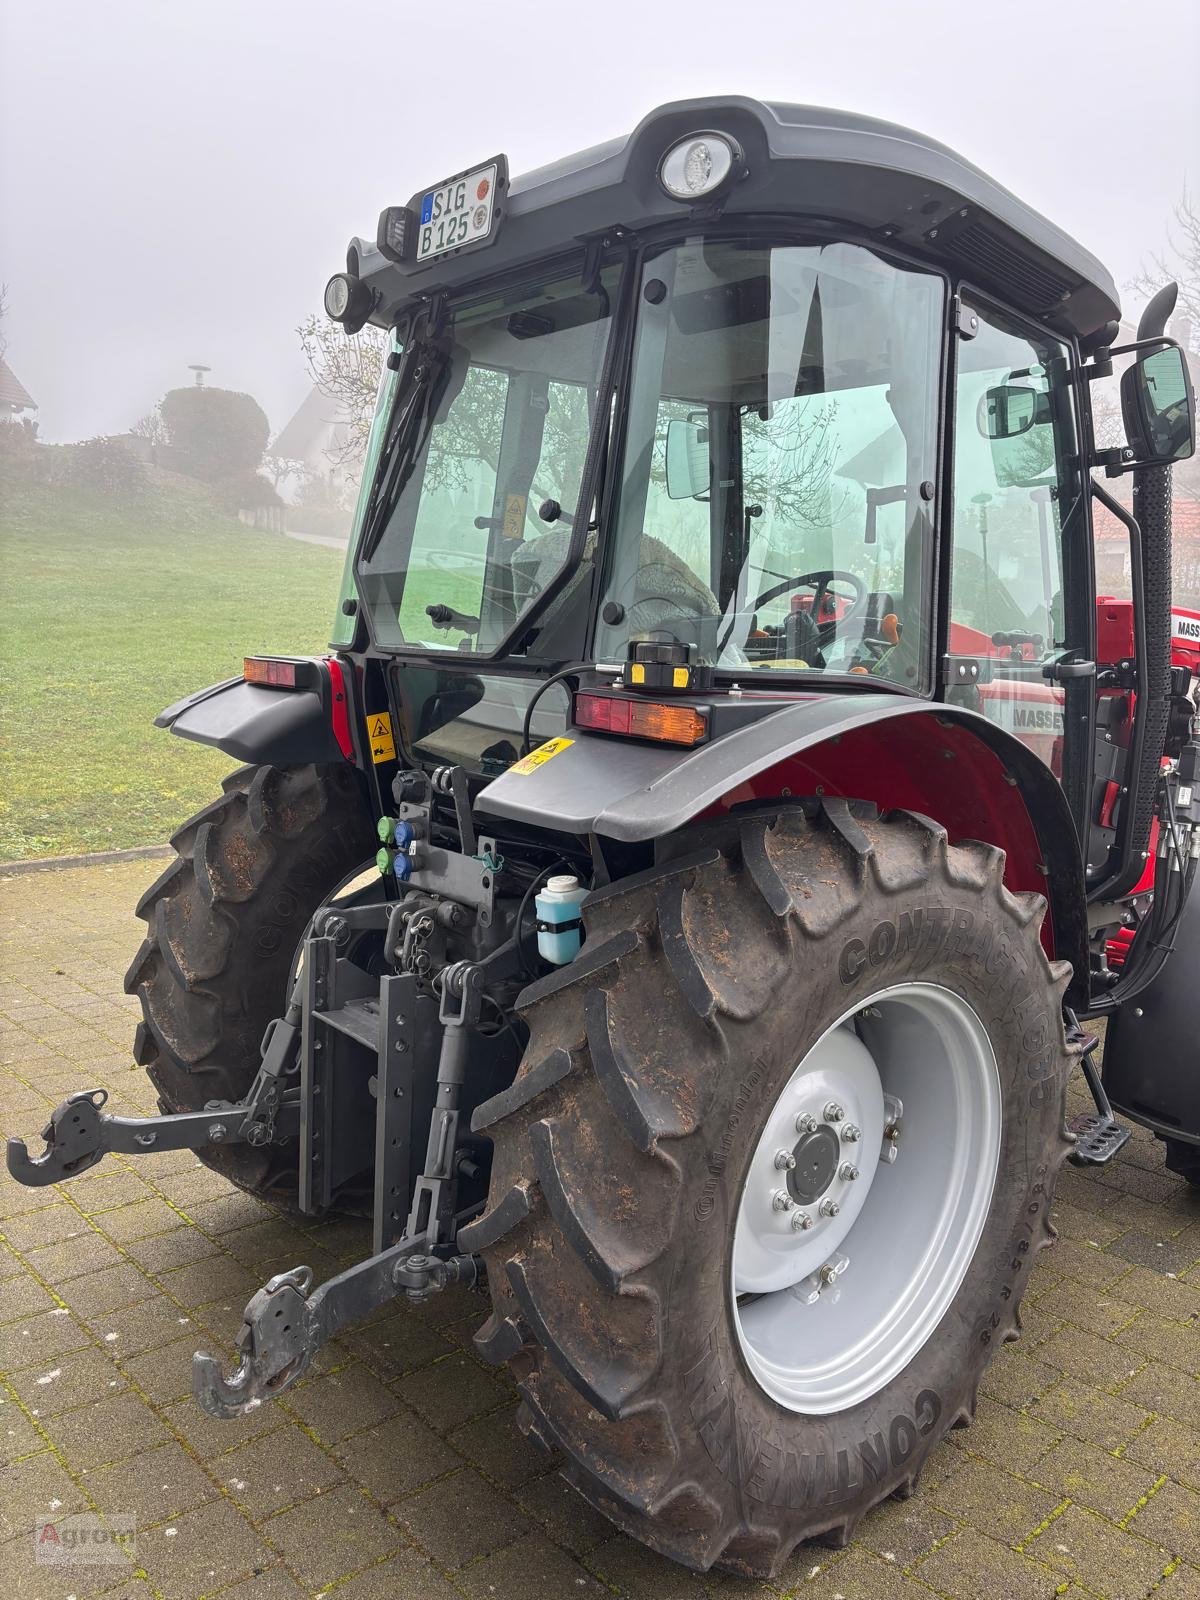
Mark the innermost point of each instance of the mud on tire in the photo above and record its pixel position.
(621, 1147)
(223, 924)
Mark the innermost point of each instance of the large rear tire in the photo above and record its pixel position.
(224, 924)
(629, 1147)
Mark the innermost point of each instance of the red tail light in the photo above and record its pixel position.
(282, 672)
(669, 723)
(325, 677)
(339, 711)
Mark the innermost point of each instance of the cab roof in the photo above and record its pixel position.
(838, 171)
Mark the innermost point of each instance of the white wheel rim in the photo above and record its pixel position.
(828, 1313)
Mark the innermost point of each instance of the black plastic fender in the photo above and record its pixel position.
(631, 791)
(261, 726)
(1151, 1054)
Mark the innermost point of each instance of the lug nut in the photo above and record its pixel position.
(806, 1123)
(784, 1161)
(834, 1112)
(801, 1221)
(830, 1208)
(848, 1171)
(851, 1133)
(781, 1200)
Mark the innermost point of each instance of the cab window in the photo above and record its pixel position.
(1017, 495)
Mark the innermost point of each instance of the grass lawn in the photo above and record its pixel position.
(110, 613)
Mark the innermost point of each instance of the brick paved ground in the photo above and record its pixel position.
(397, 1470)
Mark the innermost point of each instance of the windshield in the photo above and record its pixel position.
(492, 426)
(775, 502)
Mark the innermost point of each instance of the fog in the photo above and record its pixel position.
(179, 179)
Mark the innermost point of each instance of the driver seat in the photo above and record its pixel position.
(802, 638)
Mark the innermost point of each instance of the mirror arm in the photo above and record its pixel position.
(1115, 462)
(1163, 341)
(1100, 365)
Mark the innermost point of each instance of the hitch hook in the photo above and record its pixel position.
(276, 1347)
(74, 1142)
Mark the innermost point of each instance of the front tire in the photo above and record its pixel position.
(224, 923)
(632, 1137)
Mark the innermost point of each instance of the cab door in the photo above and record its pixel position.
(1021, 604)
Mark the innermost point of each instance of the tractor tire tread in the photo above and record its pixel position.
(579, 1279)
(223, 921)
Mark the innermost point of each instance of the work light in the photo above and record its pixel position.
(348, 300)
(700, 165)
(392, 234)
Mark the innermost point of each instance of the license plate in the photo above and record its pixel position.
(457, 213)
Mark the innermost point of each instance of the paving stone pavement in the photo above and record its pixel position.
(396, 1469)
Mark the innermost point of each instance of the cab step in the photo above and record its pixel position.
(1097, 1139)
(1098, 1134)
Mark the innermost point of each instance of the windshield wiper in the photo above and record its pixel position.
(430, 367)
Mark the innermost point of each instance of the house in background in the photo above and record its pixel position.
(326, 454)
(15, 398)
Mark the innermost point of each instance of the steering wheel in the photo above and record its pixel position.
(820, 580)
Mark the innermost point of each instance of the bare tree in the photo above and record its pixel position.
(801, 451)
(1180, 260)
(347, 371)
(151, 427)
(278, 467)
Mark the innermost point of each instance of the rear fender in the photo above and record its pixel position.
(277, 727)
(978, 782)
(948, 763)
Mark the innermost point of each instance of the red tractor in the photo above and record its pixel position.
(672, 902)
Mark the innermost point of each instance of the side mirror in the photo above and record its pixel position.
(1009, 410)
(1159, 407)
(688, 468)
(1015, 419)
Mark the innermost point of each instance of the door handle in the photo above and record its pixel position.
(1067, 671)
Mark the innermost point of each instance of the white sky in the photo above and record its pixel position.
(178, 178)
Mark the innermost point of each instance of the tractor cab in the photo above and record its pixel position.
(804, 435)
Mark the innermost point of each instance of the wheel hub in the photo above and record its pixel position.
(799, 1201)
(849, 1247)
(817, 1156)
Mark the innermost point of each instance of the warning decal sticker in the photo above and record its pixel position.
(539, 757)
(514, 516)
(379, 732)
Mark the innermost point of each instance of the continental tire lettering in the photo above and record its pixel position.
(768, 1468)
(882, 943)
(929, 1409)
(960, 939)
(267, 940)
(902, 1439)
(853, 960)
(874, 1454)
(925, 929)
(912, 925)
(706, 1201)
(1014, 1257)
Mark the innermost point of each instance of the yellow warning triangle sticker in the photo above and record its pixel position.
(379, 732)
